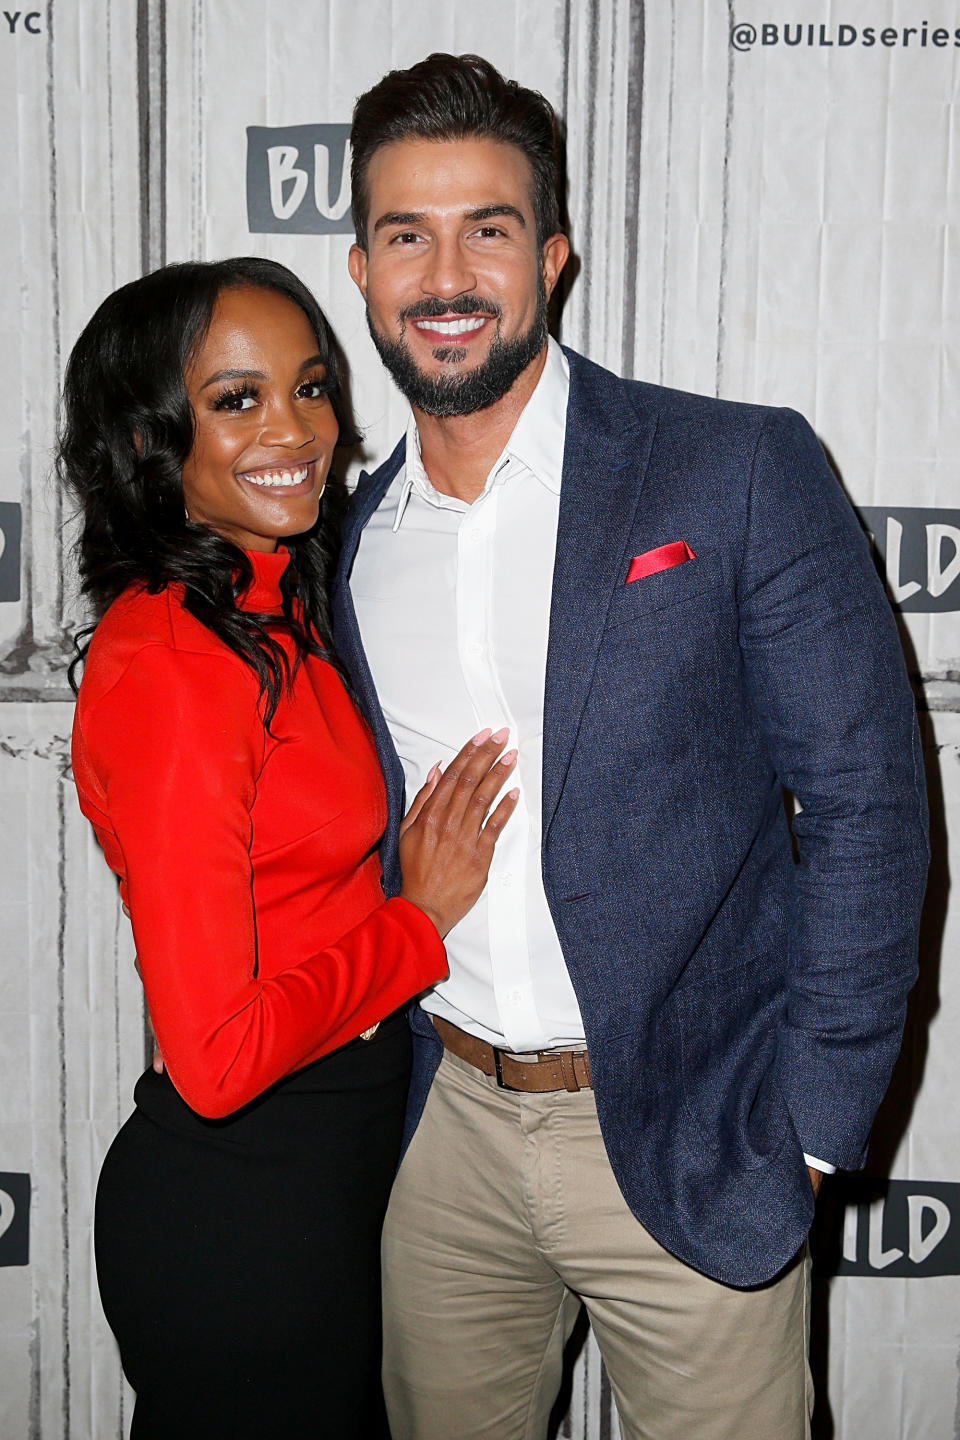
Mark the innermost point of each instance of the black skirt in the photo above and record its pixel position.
(239, 1259)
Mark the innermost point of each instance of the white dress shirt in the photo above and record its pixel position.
(453, 602)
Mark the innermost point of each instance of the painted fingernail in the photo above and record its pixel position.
(514, 794)
(507, 758)
(501, 735)
(484, 735)
(431, 773)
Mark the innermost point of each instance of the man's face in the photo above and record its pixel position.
(455, 282)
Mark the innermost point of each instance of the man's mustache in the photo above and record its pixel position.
(432, 307)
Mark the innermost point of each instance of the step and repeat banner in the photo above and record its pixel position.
(763, 201)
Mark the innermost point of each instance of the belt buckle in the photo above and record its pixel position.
(498, 1070)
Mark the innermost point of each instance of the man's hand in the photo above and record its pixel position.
(815, 1175)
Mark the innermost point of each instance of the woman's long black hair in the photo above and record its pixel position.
(126, 429)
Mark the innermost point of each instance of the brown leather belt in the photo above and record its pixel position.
(551, 1070)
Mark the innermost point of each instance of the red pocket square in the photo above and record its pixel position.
(659, 559)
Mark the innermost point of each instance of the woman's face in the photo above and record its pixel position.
(264, 425)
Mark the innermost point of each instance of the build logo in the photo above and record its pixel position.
(14, 1219)
(894, 1228)
(918, 554)
(10, 530)
(298, 179)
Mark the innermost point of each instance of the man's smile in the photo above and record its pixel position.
(459, 326)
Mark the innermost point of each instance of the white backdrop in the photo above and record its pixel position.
(763, 203)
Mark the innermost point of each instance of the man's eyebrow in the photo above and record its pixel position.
(489, 212)
(399, 217)
(416, 217)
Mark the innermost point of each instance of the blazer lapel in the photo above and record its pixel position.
(605, 453)
(367, 496)
(364, 501)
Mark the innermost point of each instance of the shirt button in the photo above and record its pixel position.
(475, 647)
(506, 881)
(476, 536)
(514, 997)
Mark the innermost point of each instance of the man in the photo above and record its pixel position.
(669, 603)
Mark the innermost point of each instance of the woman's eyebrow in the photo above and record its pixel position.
(219, 376)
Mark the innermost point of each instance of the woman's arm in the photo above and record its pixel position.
(171, 754)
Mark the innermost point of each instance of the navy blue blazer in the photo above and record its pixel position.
(739, 1008)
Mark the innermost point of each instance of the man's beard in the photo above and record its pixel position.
(469, 390)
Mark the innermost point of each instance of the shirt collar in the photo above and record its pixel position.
(538, 436)
(263, 593)
(536, 442)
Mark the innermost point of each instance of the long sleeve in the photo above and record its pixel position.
(829, 685)
(177, 749)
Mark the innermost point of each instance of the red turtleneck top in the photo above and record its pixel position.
(247, 860)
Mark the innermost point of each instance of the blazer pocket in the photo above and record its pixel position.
(665, 588)
(728, 1028)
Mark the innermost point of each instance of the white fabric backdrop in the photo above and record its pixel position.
(763, 204)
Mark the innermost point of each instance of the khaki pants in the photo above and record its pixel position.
(505, 1215)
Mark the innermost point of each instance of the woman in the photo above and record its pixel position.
(236, 794)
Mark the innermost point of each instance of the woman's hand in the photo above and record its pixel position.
(447, 838)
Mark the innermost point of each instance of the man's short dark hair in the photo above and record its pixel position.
(454, 97)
